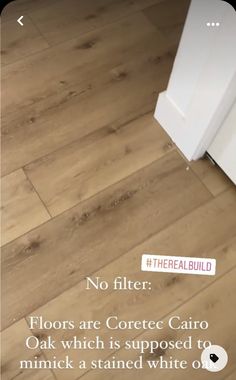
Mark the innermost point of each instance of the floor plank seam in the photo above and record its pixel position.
(43, 203)
(196, 175)
(113, 260)
(39, 31)
(116, 21)
(81, 138)
(110, 197)
(76, 141)
(6, 65)
(41, 352)
(52, 217)
(225, 190)
(69, 39)
(202, 182)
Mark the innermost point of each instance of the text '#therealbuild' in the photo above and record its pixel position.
(178, 264)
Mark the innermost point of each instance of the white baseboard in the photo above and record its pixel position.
(202, 83)
(173, 121)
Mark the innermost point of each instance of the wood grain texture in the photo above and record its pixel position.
(20, 41)
(58, 254)
(205, 306)
(190, 236)
(169, 17)
(80, 17)
(214, 179)
(14, 350)
(80, 86)
(22, 209)
(232, 376)
(82, 169)
(94, 49)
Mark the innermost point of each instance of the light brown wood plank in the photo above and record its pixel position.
(81, 55)
(208, 231)
(22, 209)
(232, 376)
(20, 41)
(169, 17)
(76, 125)
(105, 48)
(81, 86)
(72, 17)
(211, 175)
(214, 304)
(84, 168)
(60, 253)
(14, 350)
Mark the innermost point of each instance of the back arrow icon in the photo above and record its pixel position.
(19, 20)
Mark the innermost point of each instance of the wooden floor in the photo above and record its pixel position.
(90, 182)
